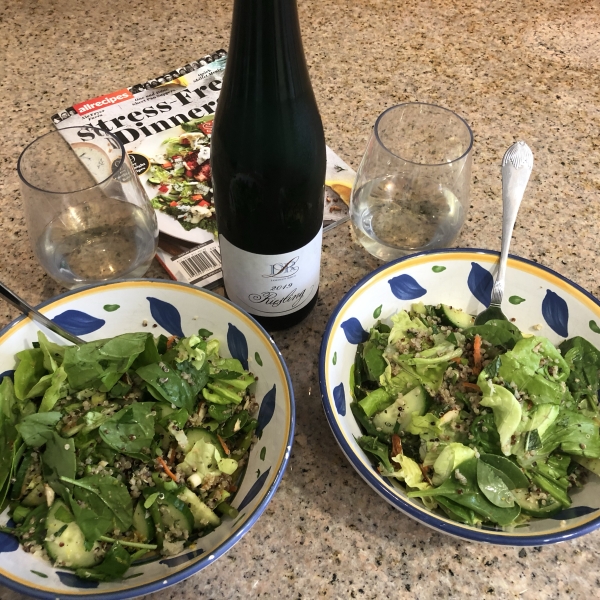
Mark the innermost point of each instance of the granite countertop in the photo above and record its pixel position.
(514, 69)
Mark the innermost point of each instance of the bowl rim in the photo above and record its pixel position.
(375, 482)
(227, 544)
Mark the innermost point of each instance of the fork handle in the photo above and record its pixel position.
(517, 165)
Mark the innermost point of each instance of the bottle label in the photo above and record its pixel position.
(271, 285)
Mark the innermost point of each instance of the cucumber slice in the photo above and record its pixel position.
(69, 547)
(401, 410)
(142, 522)
(455, 317)
(533, 508)
(197, 434)
(35, 497)
(203, 516)
(175, 514)
(591, 464)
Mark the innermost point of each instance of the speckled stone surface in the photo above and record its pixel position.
(513, 69)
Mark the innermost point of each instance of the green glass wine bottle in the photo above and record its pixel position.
(268, 167)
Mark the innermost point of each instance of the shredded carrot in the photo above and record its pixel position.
(224, 445)
(456, 359)
(166, 469)
(471, 386)
(171, 341)
(477, 354)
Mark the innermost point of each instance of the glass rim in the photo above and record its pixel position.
(111, 176)
(463, 155)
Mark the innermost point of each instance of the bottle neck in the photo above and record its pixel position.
(266, 59)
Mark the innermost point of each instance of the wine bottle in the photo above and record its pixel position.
(268, 167)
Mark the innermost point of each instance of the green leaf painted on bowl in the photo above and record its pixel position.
(334, 361)
(258, 359)
(111, 307)
(257, 473)
(377, 312)
(516, 299)
(39, 574)
(263, 453)
(594, 327)
(438, 268)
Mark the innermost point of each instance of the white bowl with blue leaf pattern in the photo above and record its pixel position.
(540, 301)
(110, 309)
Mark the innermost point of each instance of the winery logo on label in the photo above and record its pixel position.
(282, 270)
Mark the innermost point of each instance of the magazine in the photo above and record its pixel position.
(165, 125)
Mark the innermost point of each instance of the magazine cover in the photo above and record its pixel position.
(165, 125)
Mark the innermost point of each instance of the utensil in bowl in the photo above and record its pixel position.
(37, 316)
(517, 165)
(542, 303)
(176, 309)
(88, 217)
(412, 186)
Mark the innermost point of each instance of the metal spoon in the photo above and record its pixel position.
(516, 169)
(33, 314)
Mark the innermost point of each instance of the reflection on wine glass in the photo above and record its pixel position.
(412, 186)
(88, 217)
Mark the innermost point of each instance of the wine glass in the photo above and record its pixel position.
(412, 187)
(88, 217)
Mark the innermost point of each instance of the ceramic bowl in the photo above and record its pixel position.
(107, 310)
(540, 300)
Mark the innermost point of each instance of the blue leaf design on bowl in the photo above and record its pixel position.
(480, 282)
(10, 373)
(354, 331)
(8, 543)
(166, 315)
(339, 398)
(267, 408)
(176, 561)
(573, 512)
(77, 322)
(71, 580)
(406, 287)
(556, 313)
(258, 484)
(237, 344)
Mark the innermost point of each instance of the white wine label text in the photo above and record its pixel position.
(271, 284)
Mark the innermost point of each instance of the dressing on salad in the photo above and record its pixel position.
(484, 423)
(122, 447)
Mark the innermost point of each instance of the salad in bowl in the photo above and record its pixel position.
(488, 433)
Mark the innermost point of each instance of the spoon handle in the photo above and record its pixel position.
(516, 169)
(28, 310)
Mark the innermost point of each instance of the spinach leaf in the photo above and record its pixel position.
(100, 364)
(584, 361)
(486, 437)
(116, 562)
(492, 486)
(9, 436)
(107, 497)
(168, 385)
(196, 378)
(53, 353)
(58, 460)
(376, 449)
(464, 491)
(29, 371)
(503, 334)
(58, 389)
(130, 430)
(512, 475)
(38, 428)
(149, 355)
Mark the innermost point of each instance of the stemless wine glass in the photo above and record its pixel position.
(412, 187)
(88, 217)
